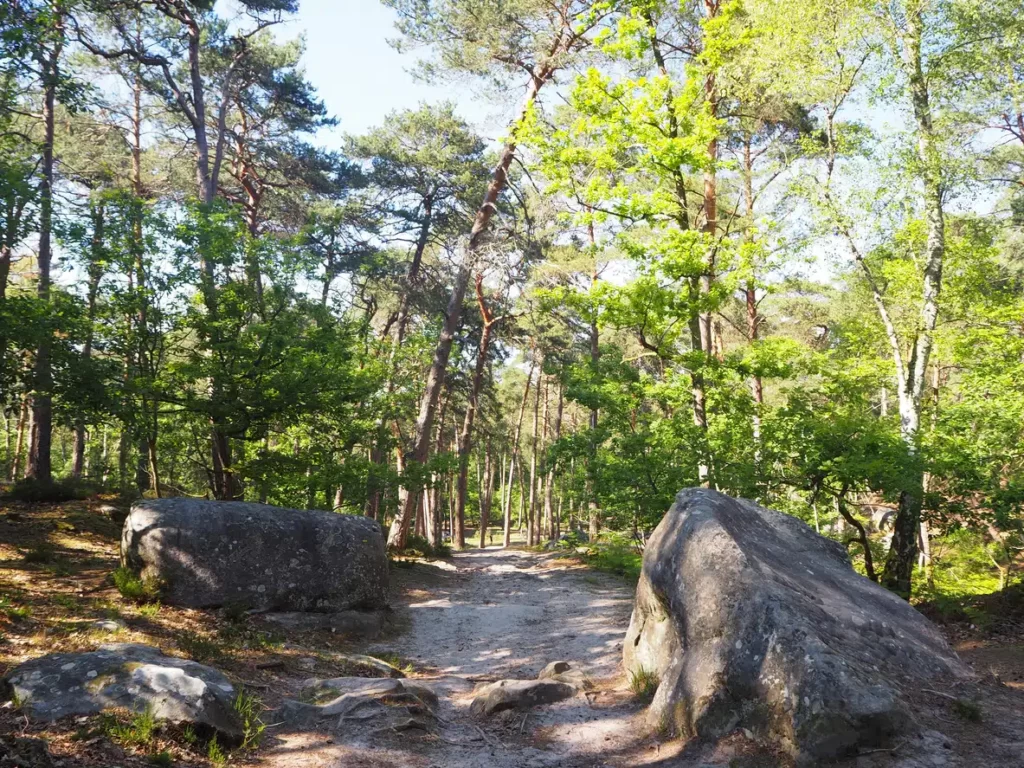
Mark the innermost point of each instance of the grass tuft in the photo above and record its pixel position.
(968, 710)
(136, 730)
(644, 683)
(248, 707)
(135, 588)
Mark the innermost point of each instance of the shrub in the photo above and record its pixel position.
(418, 546)
(134, 587)
(197, 647)
(31, 491)
(43, 552)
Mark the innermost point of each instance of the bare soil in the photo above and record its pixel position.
(480, 616)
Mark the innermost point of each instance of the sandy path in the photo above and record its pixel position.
(492, 614)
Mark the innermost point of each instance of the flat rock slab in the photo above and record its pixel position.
(129, 676)
(750, 619)
(362, 624)
(358, 699)
(519, 694)
(212, 553)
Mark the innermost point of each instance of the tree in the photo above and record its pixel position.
(484, 40)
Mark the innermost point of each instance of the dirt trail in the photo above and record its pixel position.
(487, 615)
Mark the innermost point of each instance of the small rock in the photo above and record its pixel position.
(519, 694)
(554, 668)
(109, 625)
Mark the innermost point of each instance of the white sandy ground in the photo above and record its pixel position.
(493, 614)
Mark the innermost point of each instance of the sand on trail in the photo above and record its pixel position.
(486, 615)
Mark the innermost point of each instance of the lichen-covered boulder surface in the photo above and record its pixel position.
(129, 676)
(213, 553)
(750, 619)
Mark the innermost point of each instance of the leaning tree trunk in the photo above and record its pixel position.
(481, 223)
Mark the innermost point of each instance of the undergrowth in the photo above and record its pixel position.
(135, 588)
(615, 553)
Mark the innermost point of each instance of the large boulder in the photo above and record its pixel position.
(212, 553)
(750, 619)
(128, 676)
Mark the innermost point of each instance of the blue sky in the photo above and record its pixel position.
(359, 76)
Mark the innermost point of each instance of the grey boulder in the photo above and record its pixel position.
(357, 699)
(209, 553)
(130, 676)
(749, 619)
(519, 694)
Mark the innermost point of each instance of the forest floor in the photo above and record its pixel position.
(479, 616)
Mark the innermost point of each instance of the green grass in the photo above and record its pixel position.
(968, 710)
(162, 759)
(40, 554)
(403, 665)
(135, 588)
(248, 707)
(197, 647)
(136, 730)
(149, 610)
(615, 553)
(216, 754)
(643, 683)
(418, 546)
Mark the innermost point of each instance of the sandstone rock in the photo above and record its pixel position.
(519, 694)
(129, 676)
(564, 672)
(357, 699)
(209, 554)
(750, 619)
(553, 669)
(109, 625)
(363, 624)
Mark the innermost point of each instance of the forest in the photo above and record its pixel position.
(718, 243)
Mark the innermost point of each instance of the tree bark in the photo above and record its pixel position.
(899, 565)
(481, 223)
(549, 511)
(466, 440)
(507, 502)
(39, 458)
(96, 267)
(531, 509)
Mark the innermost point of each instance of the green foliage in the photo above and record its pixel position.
(968, 710)
(615, 553)
(418, 546)
(135, 588)
(198, 647)
(163, 759)
(43, 552)
(131, 730)
(248, 707)
(216, 754)
(31, 491)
